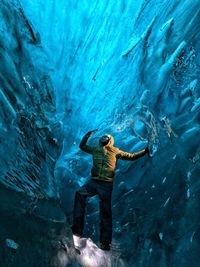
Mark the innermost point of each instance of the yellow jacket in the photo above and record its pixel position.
(105, 158)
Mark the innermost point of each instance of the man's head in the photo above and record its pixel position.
(106, 139)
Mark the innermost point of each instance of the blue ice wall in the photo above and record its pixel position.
(28, 151)
(111, 53)
(29, 146)
(129, 68)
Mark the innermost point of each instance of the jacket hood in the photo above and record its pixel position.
(111, 142)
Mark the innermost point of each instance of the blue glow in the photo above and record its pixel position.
(126, 68)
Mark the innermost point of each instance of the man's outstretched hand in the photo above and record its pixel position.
(88, 134)
(147, 150)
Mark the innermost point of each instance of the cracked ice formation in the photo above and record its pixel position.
(129, 68)
(28, 150)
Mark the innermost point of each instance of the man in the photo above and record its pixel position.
(105, 157)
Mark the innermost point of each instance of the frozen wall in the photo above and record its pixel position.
(28, 150)
(130, 68)
(31, 218)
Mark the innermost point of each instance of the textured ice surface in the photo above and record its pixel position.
(129, 68)
(28, 151)
(90, 254)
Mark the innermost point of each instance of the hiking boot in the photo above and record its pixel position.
(105, 246)
(75, 232)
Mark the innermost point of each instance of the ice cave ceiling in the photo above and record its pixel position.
(129, 68)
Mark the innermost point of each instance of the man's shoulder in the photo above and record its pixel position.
(96, 148)
(114, 149)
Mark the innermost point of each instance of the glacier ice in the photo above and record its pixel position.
(129, 68)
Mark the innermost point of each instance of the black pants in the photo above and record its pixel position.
(90, 189)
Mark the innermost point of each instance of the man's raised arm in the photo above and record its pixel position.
(83, 144)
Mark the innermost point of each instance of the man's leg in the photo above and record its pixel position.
(87, 190)
(105, 195)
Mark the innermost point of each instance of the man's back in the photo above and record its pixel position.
(105, 158)
(104, 162)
